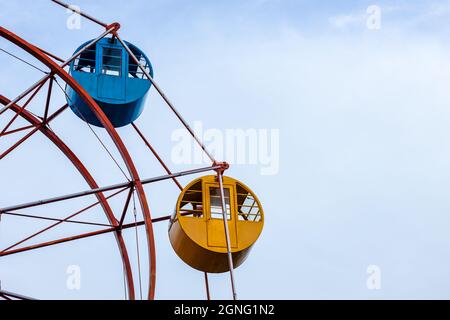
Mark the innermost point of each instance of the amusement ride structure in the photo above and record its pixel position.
(217, 219)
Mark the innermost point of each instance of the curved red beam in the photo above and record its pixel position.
(88, 178)
(8, 35)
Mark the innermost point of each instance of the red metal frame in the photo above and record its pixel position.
(82, 236)
(58, 70)
(36, 91)
(59, 221)
(89, 179)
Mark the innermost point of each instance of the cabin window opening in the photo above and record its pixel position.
(133, 69)
(192, 204)
(112, 62)
(85, 62)
(215, 201)
(248, 207)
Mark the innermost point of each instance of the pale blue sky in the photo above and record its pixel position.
(364, 151)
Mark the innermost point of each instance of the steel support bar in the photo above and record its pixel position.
(227, 234)
(108, 188)
(67, 197)
(88, 178)
(47, 102)
(29, 134)
(139, 132)
(125, 207)
(85, 15)
(25, 93)
(56, 113)
(17, 114)
(208, 294)
(71, 156)
(16, 130)
(62, 220)
(81, 236)
(165, 98)
(181, 174)
(51, 55)
(55, 219)
(18, 143)
(14, 295)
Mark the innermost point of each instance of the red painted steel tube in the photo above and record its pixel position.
(81, 236)
(51, 55)
(139, 132)
(47, 102)
(55, 220)
(108, 188)
(60, 221)
(16, 130)
(18, 143)
(36, 91)
(125, 207)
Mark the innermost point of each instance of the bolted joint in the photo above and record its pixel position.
(133, 183)
(223, 166)
(114, 25)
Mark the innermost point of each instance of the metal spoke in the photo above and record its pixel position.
(125, 208)
(47, 102)
(108, 188)
(18, 143)
(56, 114)
(156, 155)
(58, 223)
(54, 219)
(17, 114)
(22, 60)
(17, 130)
(166, 99)
(8, 295)
(227, 234)
(81, 236)
(36, 128)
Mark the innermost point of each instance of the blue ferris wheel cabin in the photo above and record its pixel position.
(113, 79)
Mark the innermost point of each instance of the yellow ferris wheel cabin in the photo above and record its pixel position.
(196, 230)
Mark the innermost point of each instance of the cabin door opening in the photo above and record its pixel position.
(214, 224)
(112, 80)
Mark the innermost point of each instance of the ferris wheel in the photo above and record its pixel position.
(105, 83)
